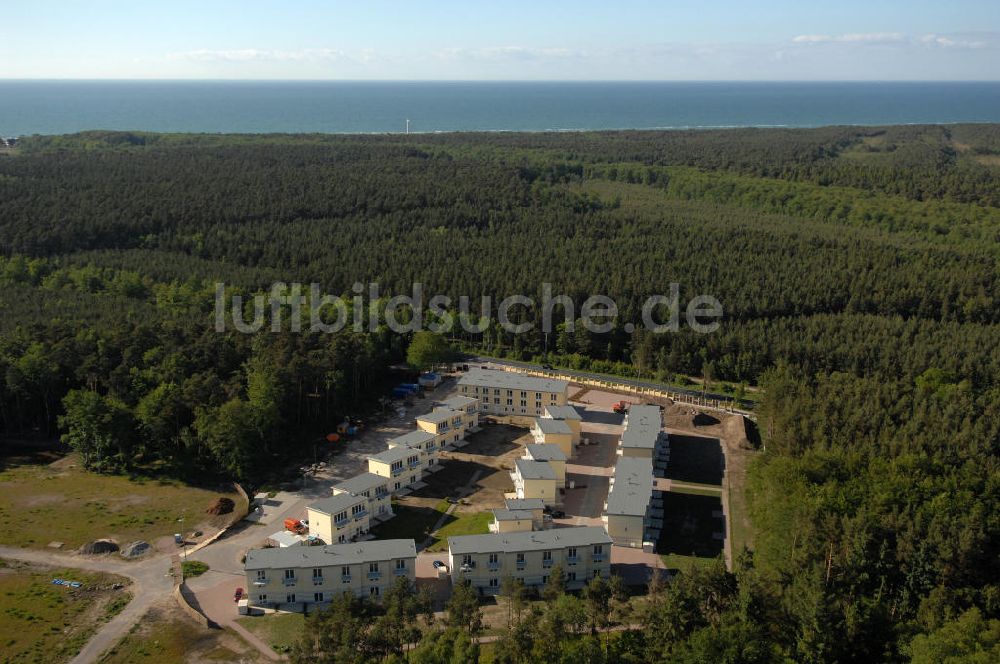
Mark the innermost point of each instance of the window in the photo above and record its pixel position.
(317, 597)
(598, 549)
(317, 576)
(571, 576)
(494, 582)
(571, 552)
(373, 567)
(467, 560)
(290, 598)
(400, 564)
(262, 575)
(545, 579)
(546, 555)
(493, 557)
(345, 574)
(597, 573)
(496, 400)
(510, 402)
(373, 591)
(289, 574)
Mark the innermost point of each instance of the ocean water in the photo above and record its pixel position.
(55, 107)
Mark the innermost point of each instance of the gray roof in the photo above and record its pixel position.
(393, 454)
(512, 381)
(643, 427)
(501, 514)
(548, 425)
(517, 504)
(361, 483)
(332, 554)
(539, 540)
(534, 470)
(418, 437)
(459, 402)
(334, 505)
(438, 415)
(545, 452)
(563, 413)
(633, 487)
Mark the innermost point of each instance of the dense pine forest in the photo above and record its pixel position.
(857, 267)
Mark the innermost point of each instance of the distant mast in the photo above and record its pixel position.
(407, 126)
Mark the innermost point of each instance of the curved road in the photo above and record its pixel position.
(151, 582)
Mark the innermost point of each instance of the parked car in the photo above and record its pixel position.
(547, 367)
(453, 501)
(238, 595)
(558, 514)
(438, 564)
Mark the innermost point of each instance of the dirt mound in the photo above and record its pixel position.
(221, 506)
(99, 547)
(741, 433)
(136, 549)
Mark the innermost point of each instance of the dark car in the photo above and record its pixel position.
(238, 595)
(558, 514)
(547, 367)
(438, 564)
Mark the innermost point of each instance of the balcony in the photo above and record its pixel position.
(546, 564)
(317, 580)
(340, 523)
(572, 560)
(374, 576)
(360, 515)
(345, 578)
(493, 566)
(521, 564)
(260, 582)
(291, 581)
(599, 557)
(415, 463)
(399, 571)
(396, 472)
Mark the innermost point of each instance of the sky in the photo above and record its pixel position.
(509, 40)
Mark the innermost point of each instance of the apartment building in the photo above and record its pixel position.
(507, 393)
(423, 442)
(533, 505)
(469, 407)
(630, 498)
(338, 519)
(402, 465)
(552, 454)
(314, 575)
(535, 479)
(372, 487)
(643, 434)
(547, 431)
(511, 521)
(568, 414)
(446, 425)
(584, 552)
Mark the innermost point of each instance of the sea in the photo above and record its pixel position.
(58, 107)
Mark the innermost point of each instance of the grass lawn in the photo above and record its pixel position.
(61, 501)
(279, 630)
(690, 525)
(684, 563)
(410, 522)
(166, 635)
(465, 523)
(42, 622)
